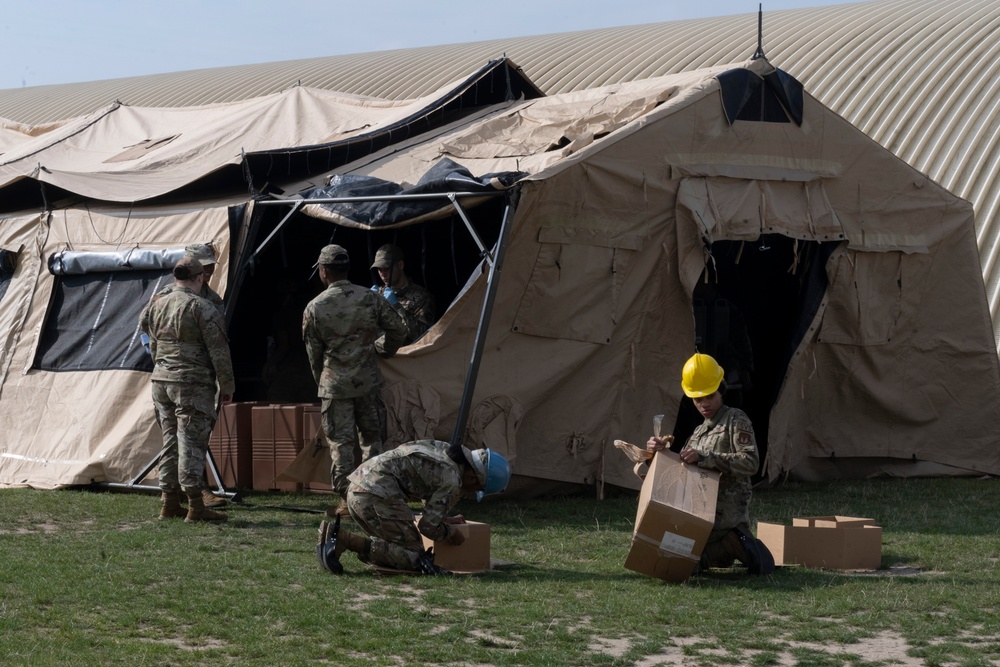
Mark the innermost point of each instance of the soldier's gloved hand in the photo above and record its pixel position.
(455, 536)
(144, 339)
(390, 295)
(374, 288)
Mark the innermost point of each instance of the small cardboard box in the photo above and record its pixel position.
(831, 542)
(472, 555)
(675, 516)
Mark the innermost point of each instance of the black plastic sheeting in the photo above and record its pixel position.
(94, 321)
(445, 176)
(775, 98)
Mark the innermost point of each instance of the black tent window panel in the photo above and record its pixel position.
(8, 262)
(4, 284)
(775, 98)
(93, 323)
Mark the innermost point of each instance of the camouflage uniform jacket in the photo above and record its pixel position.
(213, 296)
(205, 293)
(726, 443)
(339, 328)
(416, 305)
(187, 339)
(418, 471)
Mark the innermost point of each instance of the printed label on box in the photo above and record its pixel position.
(676, 544)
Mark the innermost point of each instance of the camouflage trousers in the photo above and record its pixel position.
(732, 508)
(395, 540)
(186, 414)
(343, 418)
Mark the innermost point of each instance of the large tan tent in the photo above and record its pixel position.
(856, 275)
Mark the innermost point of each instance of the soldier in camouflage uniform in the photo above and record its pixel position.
(412, 301)
(434, 473)
(724, 442)
(190, 354)
(204, 254)
(339, 328)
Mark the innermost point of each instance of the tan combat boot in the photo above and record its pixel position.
(197, 512)
(339, 510)
(211, 500)
(170, 502)
(348, 541)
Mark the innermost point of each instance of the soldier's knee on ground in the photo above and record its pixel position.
(723, 552)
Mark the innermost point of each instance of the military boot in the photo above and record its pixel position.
(197, 512)
(211, 500)
(170, 502)
(348, 541)
(339, 510)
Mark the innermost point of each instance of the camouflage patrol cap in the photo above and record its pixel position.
(335, 256)
(187, 267)
(201, 252)
(386, 256)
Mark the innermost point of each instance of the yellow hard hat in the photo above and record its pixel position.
(701, 376)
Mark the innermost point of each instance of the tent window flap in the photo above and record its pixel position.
(574, 288)
(865, 297)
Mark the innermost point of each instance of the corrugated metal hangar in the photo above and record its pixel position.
(920, 77)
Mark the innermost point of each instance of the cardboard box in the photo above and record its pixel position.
(231, 444)
(831, 542)
(675, 517)
(312, 424)
(473, 555)
(277, 440)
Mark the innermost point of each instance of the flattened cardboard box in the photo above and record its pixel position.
(472, 555)
(675, 516)
(831, 542)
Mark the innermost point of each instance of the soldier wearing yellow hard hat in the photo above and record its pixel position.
(724, 442)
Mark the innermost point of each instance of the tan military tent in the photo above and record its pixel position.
(857, 277)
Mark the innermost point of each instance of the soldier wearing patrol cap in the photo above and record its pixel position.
(206, 257)
(339, 328)
(203, 253)
(412, 301)
(191, 362)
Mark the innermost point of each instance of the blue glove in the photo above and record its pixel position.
(374, 288)
(144, 339)
(390, 295)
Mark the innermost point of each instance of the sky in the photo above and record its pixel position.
(66, 41)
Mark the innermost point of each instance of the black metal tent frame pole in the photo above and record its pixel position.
(495, 260)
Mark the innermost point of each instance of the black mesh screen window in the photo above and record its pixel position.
(94, 321)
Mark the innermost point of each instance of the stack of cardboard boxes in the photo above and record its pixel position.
(254, 442)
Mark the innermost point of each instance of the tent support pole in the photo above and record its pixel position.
(295, 209)
(492, 283)
(134, 485)
(468, 226)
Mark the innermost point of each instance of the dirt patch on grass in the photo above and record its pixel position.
(888, 647)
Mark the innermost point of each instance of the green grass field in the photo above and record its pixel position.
(95, 578)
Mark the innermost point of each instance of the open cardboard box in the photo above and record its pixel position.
(472, 555)
(675, 517)
(831, 542)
